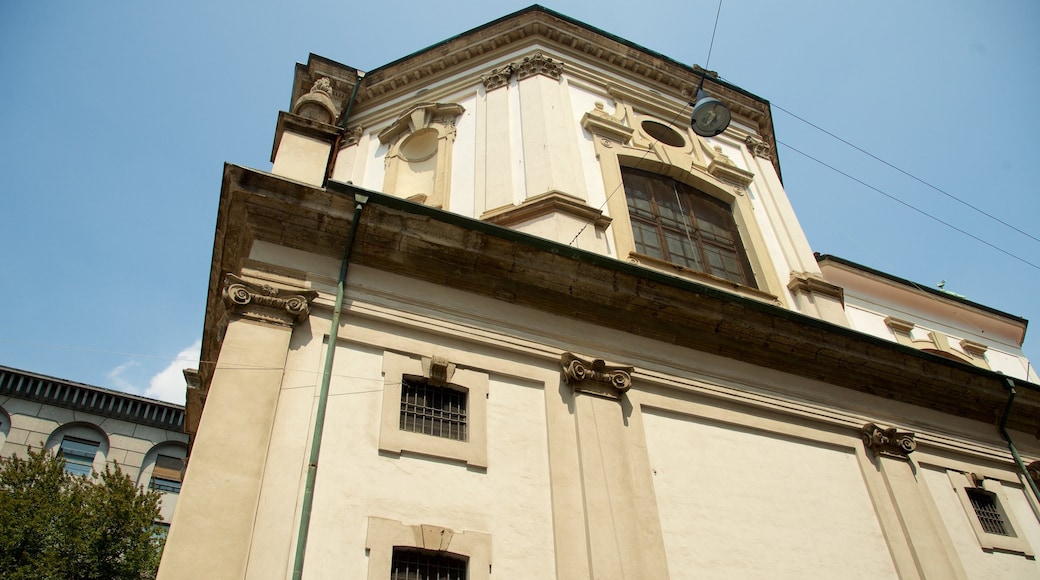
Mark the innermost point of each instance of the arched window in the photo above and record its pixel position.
(674, 222)
(82, 445)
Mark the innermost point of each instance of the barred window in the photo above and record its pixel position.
(985, 504)
(433, 410)
(416, 564)
(674, 222)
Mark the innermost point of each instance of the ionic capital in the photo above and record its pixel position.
(888, 441)
(595, 377)
(266, 303)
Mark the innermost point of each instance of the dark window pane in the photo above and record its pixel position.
(415, 564)
(79, 454)
(675, 222)
(433, 410)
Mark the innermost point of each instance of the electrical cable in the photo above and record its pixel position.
(901, 202)
(906, 173)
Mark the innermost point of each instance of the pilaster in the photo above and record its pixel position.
(920, 525)
(212, 527)
(621, 523)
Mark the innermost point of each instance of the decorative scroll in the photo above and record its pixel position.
(595, 378)
(266, 303)
(539, 64)
(888, 441)
(1034, 471)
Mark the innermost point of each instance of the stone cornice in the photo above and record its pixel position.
(545, 204)
(416, 241)
(480, 47)
(815, 284)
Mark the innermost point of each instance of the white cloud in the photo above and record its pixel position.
(119, 379)
(168, 384)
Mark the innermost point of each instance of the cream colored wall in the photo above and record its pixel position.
(509, 500)
(749, 504)
(301, 158)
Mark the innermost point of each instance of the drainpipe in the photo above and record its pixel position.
(323, 393)
(1011, 444)
(334, 152)
(330, 352)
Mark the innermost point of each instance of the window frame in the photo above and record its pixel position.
(83, 459)
(392, 439)
(694, 205)
(386, 534)
(1013, 541)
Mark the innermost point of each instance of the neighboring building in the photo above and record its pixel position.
(90, 426)
(577, 341)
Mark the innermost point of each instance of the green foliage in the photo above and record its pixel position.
(59, 526)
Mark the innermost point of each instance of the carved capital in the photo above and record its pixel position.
(1034, 472)
(498, 77)
(539, 64)
(888, 441)
(266, 303)
(595, 377)
(757, 147)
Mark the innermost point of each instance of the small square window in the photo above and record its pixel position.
(433, 410)
(416, 564)
(439, 414)
(79, 454)
(985, 506)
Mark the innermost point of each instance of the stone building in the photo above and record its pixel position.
(570, 338)
(90, 426)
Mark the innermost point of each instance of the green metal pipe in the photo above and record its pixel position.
(323, 394)
(1011, 444)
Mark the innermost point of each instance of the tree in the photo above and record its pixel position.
(60, 526)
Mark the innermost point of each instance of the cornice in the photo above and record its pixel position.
(417, 241)
(483, 46)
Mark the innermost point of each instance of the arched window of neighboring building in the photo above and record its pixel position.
(82, 445)
(163, 467)
(5, 426)
(675, 222)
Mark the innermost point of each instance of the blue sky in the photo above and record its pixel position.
(117, 118)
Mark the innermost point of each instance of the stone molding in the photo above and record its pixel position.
(722, 167)
(815, 284)
(548, 203)
(888, 441)
(600, 123)
(266, 303)
(1034, 472)
(595, 377)
(421, 116)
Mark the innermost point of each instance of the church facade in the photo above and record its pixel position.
(571, 338)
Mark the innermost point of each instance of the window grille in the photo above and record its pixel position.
(79, 454)
(433, 410)
(674, 222)
(414, 564)
(985, 504)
